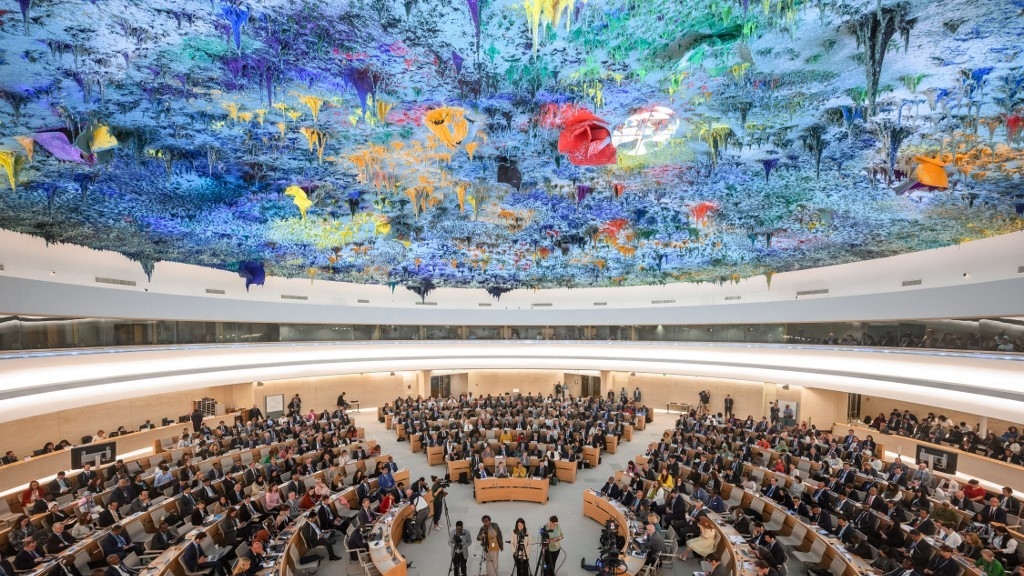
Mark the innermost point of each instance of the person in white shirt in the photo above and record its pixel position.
(948, 536)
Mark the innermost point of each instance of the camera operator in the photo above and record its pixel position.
(551, 532)
(459, 541)
(492, 543)
(438, 492)
(521, 548)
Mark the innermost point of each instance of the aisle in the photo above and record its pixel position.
(431, 557)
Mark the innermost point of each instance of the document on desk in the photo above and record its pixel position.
(737, 539)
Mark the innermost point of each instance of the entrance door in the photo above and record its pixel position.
(590, 386)
(441, 386)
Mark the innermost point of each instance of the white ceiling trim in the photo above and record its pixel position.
(978, 384)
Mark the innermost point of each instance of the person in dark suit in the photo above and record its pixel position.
(186, 503)
(30, 557)
(197, 419)
(329, 520)
(66, 567)
(60, 485)
(110, 515)
(195, 560)
(317, 538)
(942, 564)
(993, 512)
(257, 556)
(59, 540)
(120, 543)
(366, 514)
(916, 550)
(923, 523)
(116, 568)
(772, 551)
(843, 530)
(655, 546)
(859, 547)
(820, 518)
(164, 538)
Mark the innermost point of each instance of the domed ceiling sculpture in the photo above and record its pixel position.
(504, 144)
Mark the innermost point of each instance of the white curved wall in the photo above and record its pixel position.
(33, 384)
(981, 278)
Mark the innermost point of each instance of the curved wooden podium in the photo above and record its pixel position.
(518, 489)
(599, 508)
(384, 553)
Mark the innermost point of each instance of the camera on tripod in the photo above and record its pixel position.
(545, 536)
(459, 545)
(610, 540)
(444, 482)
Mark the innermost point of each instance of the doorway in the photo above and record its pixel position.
(590, 386)
(441, 386)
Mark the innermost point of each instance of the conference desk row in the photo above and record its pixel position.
(511, 489)
(804, 537)
(565, 471)
(590, 455)
(148, 522)
(967, 463)
(156, 445)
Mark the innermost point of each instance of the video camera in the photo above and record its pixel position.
(459, 542)
(610, 543)
(444, 482)
(545, 536)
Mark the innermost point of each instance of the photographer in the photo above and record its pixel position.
(438, 492)
(521, 548)
(459, 541)
(492, 543)
(551, 532)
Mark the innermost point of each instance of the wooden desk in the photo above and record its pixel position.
(592, 456)
(640, 424)
(416, 442)
(384, 552)
(599, 508)
(565, 471)
(518, 489)
(389, 421)
(611, 443)
(456, 467)
(435, 455)
(678, 406)
(627, 432)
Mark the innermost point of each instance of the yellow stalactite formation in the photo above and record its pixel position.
(294, 115)
(299, 198)
(314, 103)
(28, 143)
(460, 193)
(471, 149)
(383, 108)
(245, 116)
(282, 128)
(261, 113)
(232, 108)
(312, 136)
(11, 162)
(534, 9)
(448, 124)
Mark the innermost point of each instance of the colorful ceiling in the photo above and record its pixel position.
(503, 144)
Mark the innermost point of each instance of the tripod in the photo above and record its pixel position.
(540, 556)
(459, 546)
(520, 556)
